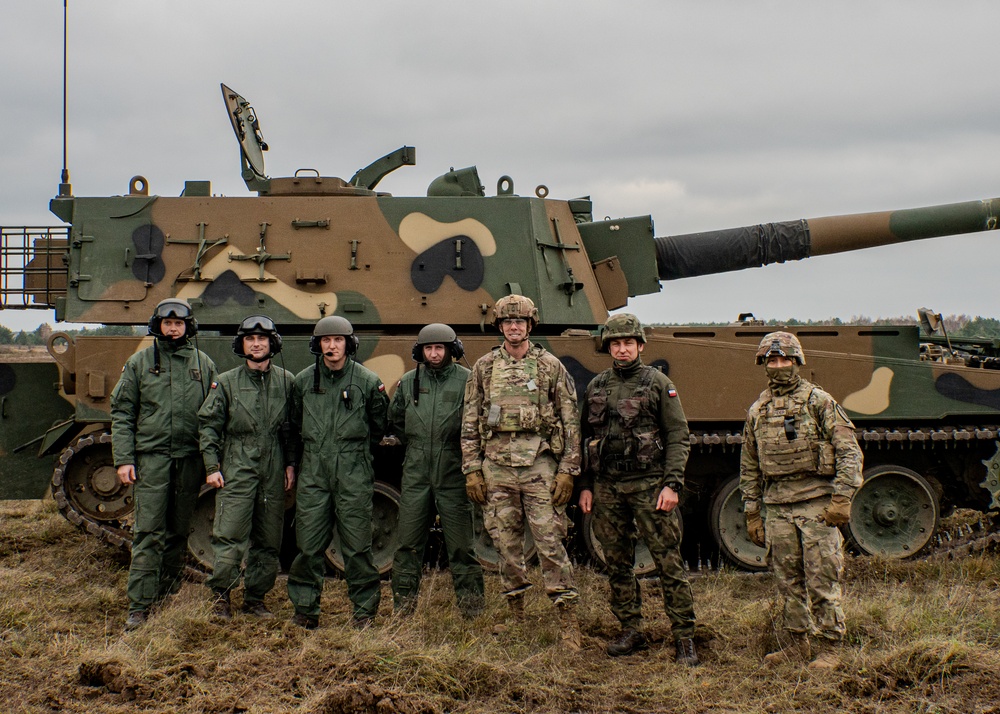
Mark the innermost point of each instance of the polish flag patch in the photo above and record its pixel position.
(215, 385)
(671, 392)
(381, 387)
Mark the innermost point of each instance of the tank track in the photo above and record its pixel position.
(964, 541)
(120, 535)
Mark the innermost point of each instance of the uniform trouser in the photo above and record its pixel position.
(166, 491)
(517, 492)
(617, 506)
(249, 515)
(807, 559)
(322, 501)
(418, 499)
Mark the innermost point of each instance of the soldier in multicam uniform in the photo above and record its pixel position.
(521, 454)
(637, 443)
(339, 408)
(426, 415)
(154, 440)
(801, 459)
(249, 454)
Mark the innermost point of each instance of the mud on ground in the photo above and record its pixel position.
(922, 638)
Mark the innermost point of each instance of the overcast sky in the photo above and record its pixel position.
(705, 115)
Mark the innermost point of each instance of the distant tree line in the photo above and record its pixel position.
(40, 334)
(956, 325)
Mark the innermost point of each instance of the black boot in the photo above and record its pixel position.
(220, 606)
(686, 653)
(628, 641)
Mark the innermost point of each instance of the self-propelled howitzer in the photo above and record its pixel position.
(308, 246)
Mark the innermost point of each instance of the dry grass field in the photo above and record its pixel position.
(923, 637)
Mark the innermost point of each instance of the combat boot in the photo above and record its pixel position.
(257, 609)
(136, 619)
(569, 628)
(827, 656)
(628, 641)
(516, 605)
(686, 654)
(795, 648)
(221, 609)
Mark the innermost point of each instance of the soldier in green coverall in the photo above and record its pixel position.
(154, 440)
(637, 442)
(249, 456)
(426, 415)
(339, 408)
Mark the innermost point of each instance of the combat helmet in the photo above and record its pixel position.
(257, 325)
(177, 308)
(515, 306)
(437, 333)
(333, 325)
(784, 344)
(621, 326)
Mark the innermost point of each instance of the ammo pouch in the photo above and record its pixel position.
(512, 417)
(780, 460)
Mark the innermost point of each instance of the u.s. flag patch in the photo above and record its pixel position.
(671, 392)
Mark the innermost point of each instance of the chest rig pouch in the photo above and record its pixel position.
(637, 444)
(789, 441)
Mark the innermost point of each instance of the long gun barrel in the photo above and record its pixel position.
(687, 256)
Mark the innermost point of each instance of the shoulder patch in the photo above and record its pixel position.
(215, 385)
(381, 387)
(671, 392)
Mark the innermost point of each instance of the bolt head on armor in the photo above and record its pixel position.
(784, 344)
(619, 327)
(515, 306)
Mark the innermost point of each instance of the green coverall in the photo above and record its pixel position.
(154, 425)
(337, 482)
(240, 427)
(432, 477)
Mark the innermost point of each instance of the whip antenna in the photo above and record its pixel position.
(65, 188)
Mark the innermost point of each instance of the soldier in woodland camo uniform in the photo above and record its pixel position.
(520, 454)
(800, 458)
(637, 444)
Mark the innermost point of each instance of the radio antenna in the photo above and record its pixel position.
(65, 188)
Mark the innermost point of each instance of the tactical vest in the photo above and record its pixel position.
(637, 445)
(515, 397)
(789, 442)
(519, 403)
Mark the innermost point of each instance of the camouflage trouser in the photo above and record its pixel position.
(166, 491)
(516, 492)
(807, 558)
(617, 505)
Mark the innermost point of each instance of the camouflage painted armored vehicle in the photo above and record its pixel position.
(309, 246)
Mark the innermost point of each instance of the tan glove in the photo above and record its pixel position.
(755, 528)
(838, 512)
(562, 489)
(475, 487)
